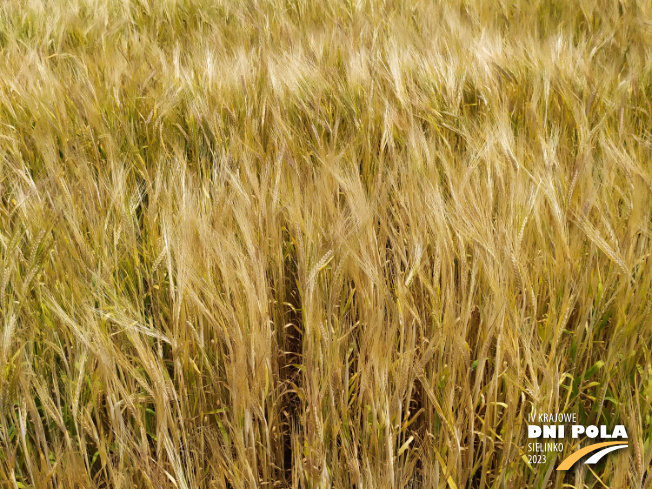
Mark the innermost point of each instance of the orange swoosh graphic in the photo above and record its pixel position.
(568, 462)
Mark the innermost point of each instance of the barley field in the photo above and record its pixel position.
(328, 243)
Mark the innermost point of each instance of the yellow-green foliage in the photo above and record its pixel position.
(334, 243)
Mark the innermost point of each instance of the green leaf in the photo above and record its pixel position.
(592, 371)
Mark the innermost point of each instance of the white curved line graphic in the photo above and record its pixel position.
(594, 459)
